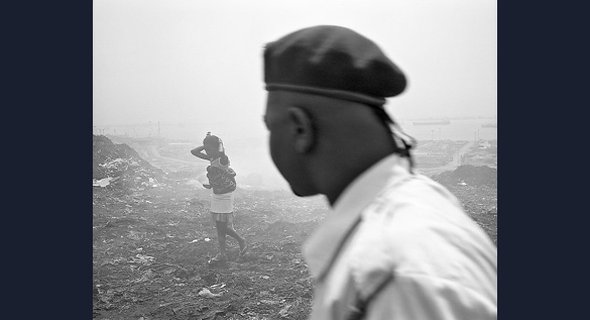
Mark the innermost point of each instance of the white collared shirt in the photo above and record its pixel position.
(399, 246)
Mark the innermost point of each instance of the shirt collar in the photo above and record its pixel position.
(325, 242)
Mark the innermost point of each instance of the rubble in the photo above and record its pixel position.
(121, 167)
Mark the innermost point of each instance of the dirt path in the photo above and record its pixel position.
(452, 165)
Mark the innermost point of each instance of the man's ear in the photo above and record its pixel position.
(303, 131)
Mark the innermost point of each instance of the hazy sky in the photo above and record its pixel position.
(182, 61)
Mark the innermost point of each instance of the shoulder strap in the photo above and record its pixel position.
(359, 308)
(365, 293)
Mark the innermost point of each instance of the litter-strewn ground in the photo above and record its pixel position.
(152, 243)
(151, 252)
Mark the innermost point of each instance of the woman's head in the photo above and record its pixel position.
(213, 145)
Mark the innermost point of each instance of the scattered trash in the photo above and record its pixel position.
(169, 270)
(147, 275)
(142, 259)
(284, 311)
(116, 161)
(207, 294)
(113, 262)
(134, 235)
(113, 164)
(102, 182)
(218, 286)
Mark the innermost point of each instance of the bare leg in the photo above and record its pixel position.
(221, 232)
(232, 233)
(241, 241)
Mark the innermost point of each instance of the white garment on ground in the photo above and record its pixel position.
(222, 203)
(413, 240)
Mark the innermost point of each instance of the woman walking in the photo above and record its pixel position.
(223, 184)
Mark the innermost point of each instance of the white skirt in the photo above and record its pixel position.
(222, 203)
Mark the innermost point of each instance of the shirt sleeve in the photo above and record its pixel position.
(427, 298)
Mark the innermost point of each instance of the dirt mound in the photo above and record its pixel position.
(470, 175)
(119, 166)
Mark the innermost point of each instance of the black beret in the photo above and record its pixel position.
(332, 61)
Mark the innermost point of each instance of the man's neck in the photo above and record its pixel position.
(342, 179)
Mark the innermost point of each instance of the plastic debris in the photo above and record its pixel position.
(218, 286)
(207, 294)
(142, 259)
(102, 182)
(285, 311)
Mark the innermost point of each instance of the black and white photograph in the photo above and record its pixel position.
(310, 159)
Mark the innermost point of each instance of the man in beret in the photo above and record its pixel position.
(396, 245)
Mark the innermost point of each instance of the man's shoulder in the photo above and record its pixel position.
(416, 198)
(417, 215)
(417, 229)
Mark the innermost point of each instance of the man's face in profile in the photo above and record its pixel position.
(288, 162)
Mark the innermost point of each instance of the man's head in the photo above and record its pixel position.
(326, 89)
